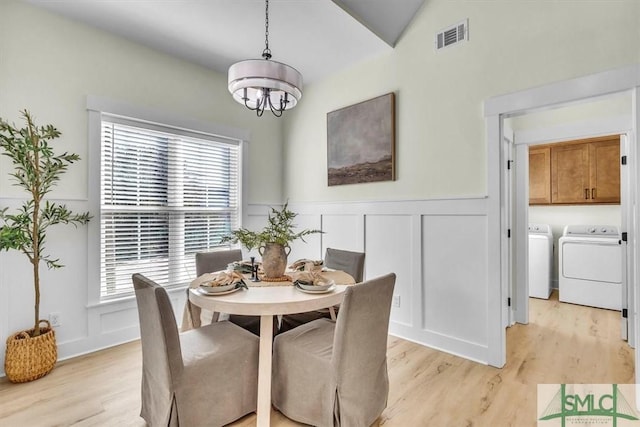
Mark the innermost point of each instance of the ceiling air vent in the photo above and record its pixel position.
(453, 35)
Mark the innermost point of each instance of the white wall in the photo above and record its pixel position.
(49, 65)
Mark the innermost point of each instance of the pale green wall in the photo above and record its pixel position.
(49, 64)
(614, 106)
(441, 150)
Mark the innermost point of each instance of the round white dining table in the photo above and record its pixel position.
(266, 302)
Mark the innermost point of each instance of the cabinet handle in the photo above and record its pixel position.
(593, 193)
(586, 193)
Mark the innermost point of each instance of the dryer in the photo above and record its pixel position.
(590, 264)
(540, 260)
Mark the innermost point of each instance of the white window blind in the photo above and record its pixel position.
(165, 195)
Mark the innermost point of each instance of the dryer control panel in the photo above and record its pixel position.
(539, 228)
(591, 230)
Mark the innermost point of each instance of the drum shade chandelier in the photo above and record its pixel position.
(262, 84)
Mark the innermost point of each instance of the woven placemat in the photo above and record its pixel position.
(270, 281)
(284, 278)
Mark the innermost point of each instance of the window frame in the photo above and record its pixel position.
(99, 108)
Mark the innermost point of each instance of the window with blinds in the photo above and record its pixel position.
(164, 197)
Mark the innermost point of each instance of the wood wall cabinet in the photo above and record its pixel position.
(604, 171)
(570, 173)
(540, 175)
(579, 172)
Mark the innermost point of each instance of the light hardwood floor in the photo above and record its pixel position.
(563, 343)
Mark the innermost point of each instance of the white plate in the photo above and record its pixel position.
(323, 291)
(216, 289)
(326, 285)
(202, 291)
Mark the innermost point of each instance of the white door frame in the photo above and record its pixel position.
(521, 234)
(507, 223)
(629, 182)
(495, 110)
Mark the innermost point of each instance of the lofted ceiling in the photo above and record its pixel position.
(317, 37)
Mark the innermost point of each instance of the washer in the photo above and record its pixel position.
(540, 260)
(590, 260)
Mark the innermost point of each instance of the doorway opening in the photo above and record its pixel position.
(610, 115)
(501, 222)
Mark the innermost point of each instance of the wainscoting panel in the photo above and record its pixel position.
(438, 250)
(388, 248)
(455, 271)
(118, 320)
(342, 231)
(4, 308)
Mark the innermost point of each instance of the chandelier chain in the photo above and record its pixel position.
(266, 53)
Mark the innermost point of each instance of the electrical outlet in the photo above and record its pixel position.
(55, 319)
(396, 300)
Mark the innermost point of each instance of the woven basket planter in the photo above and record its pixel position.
(28, 358)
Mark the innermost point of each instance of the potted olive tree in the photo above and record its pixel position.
(32, 354)
(273, 241)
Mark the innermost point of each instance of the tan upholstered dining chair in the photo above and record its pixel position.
(347, 261)
(328, 373)
(337, 259)
(206, 376)
(207, 262)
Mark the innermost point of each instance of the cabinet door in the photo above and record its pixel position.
(570, 174)
(604, 171)
(539, 175)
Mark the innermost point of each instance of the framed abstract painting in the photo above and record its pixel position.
(361, 142)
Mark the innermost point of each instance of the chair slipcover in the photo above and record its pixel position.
(329, 373)
(207, 376)
(207, 262)
(337, 259)
(347, 261)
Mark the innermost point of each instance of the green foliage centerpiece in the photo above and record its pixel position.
(37, 169)
(273, 241)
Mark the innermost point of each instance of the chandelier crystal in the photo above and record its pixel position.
(263, 84)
